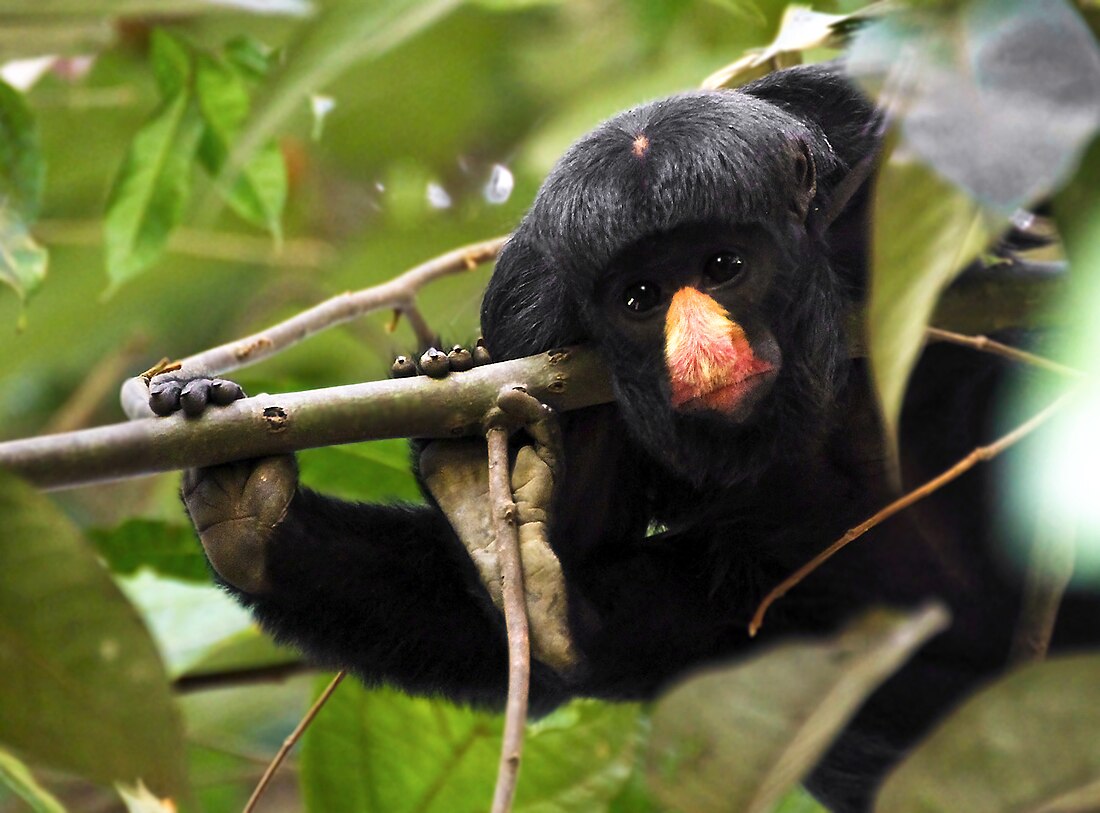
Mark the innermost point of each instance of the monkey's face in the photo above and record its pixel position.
(700, 325)
(695, 299)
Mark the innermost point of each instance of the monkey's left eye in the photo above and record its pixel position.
(642, 297)
(724, 266)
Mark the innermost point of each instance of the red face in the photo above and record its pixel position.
(711, 365)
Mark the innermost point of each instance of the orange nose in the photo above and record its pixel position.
(705, 350)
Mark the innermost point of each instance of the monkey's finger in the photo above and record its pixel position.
(194, 396)
(434, 363)
(460, 359)
(223, 392)
(538, 420)
(164, 397)
(403, 367)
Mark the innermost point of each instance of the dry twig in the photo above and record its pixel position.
(398, 293)
(979, 455)
(515, 617)
(290, 741)
(988, 345)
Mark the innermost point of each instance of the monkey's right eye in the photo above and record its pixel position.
(642, 297)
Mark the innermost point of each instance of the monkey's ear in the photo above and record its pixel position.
(526, 309)
(805, 181)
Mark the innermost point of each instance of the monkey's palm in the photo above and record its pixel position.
(235, 507)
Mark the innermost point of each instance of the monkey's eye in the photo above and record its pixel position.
(724, 266)
(641, 297)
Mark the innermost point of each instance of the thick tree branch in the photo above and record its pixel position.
(276, 424)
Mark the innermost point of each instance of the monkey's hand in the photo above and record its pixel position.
(455, 472)
(235, 507)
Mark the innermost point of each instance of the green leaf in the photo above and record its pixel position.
(383, 751)
(250, 56)
(23, 262)
(1007, 129)
(17, 777)
(348, 32)
(740, 737)
(171, 61)
(152, 189)
(259, 193)
(143, 8)
(83, 686)
(247, 649)
(168, 549)
(925, 231)
(374, 471)
(1029, 742)
(22, 169)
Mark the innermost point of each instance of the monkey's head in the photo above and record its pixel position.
(679, 237)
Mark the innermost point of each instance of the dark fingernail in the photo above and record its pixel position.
(481, 353)
(460, 359)
(194, 396)
(434, 363)
(403, 367)
(164, 397)
(223, 392)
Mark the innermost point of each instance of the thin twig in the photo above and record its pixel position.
(979, 455)
(988, 345)
(395, 293)
(207, 681)
(515, 618)
(290, 741)
(1049, 570)
(424, 333)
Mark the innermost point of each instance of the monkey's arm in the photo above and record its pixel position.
(386, 591)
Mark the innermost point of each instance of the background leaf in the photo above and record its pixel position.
(259, 194)
(1026, 743)
(75, 658)
(22, 169)
(152, 189)
(382, 751)
(348, 32)
(990, 85)
(169, 549)
(924, 233)
(17, 777)
(23, 262)
(740, 737)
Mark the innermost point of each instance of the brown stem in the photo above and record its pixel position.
(424, 333)
(515, 618)
(1049, 571)
(290, 741)
(981, 454)
(396, 293)
(205, 681)
(988, 345)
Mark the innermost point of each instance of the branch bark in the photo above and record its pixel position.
(276, 424)
(399, 293)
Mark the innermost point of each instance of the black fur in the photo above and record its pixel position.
(388, 591)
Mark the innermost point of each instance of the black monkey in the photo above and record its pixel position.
(686, 239)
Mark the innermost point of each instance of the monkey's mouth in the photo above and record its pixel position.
(735, 399)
